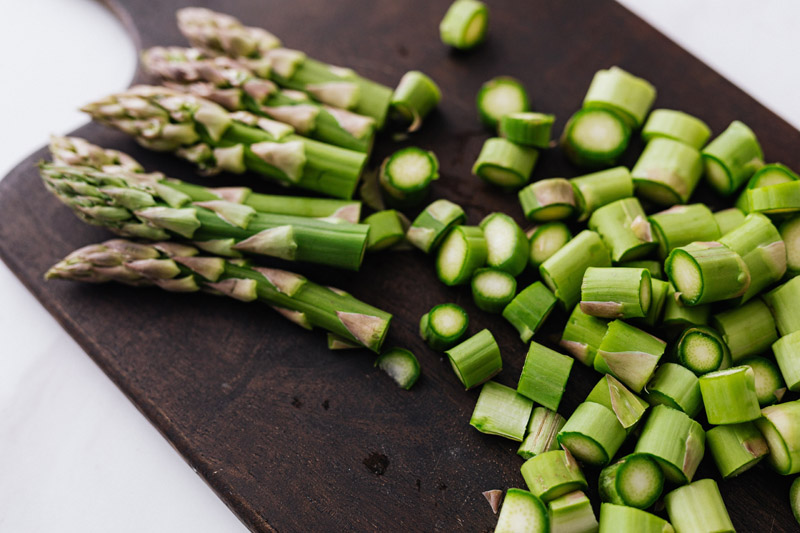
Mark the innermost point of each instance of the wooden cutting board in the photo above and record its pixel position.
(291, 436)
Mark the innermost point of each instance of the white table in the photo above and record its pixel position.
(77, 456)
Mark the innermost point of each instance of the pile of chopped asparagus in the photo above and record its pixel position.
(683, 312)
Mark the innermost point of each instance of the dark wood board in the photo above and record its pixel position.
(291, 436)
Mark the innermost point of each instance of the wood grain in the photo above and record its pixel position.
(291, 436)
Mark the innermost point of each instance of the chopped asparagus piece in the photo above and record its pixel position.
(553, 474)
(506, 242)
(702, 350)
(787, 354)
(415, 96)
(464, 25)
(675, 440)
(747, 330)
(505, 164)
(597, 189)
(433, 224)
(463, 252)
(770, 386)
(582, 335)
(544, 376)
(612, 394)
(778, 424)
(729, 219)
(729, 396)
(706, 272)
(386, 228)
(595, 138)
(624, 228)
(790, 233)
(572, 513)
(618, 518)
(698, 507)
(443, 326)
(766, 176)
(527, 129)
(476, 360)
(522, 512)
(626, 95)
(677, 387)
(500, 410)
(676, 125)
(681, 225)
(629, 354)
(564, 270)
(406, 175)
(667, 172)
(736, 448)
(401, 365)
(782, 301)
(499, 97)
(549, 199)
(493, 289)
(732, 158)
(592, 434)
(616, 292)
(635, 480)
(545, 240)
(540, 437)
(529, 309)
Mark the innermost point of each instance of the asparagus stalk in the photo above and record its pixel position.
(595, 138)
(667, 172)
(236, 87)
(766, 176)
(499, 97)
(729, 219)
(529, 309)
(675, 440)
(624, 228)
(774, 199)
(618, 518)
(544, 376)
(732, 158)
(706, 272)
(505, 164)
(677, 387)
(770, 386)
(546, 200)
(782, 301)
(521, 510)
(507, 244)
(592, 434)
(698, 507)
(582, 335)
(702, 350)
(747, 330)
(415, 96)
(790, 233)
(729, 396)
(206, 134)
(443, 326)
(616, 292)
(593, 191)
(433, 224)
(572, 513)
(613, 395)
(681, 225)
(180, 268)
(736, 448)
(406, 175)
(500, 410)
(76, 152)
(658, 299)
(563, 271)
(386, 228)
(336, 86)
(678, 126)
(635, 480)
(463, 252)
(401, 365)
(787, 354)
(677, 314)
(464, 25)
(527, 129)
(476, 360)
(619, 91)
(780, 425)
(540, 437)
(545, 240)
(493, 289)
(629, 354)
(137, 205)
(553, 474)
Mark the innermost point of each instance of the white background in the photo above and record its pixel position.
(76, 455)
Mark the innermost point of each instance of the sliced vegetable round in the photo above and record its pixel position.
(790, 233)
(499, 97)
(434, 223)
(616, 292)
(592, 434)
(736, 448)
(505, 164)
(770, 386)
(501, 411)
(460, 255)
(706, 272)
(702, 350)
(507, 244)
(729, 396)
(443, 326)
(619, 91)
(732, 158)
(527, 129)
(522, 512)
(464, 25)
(545, 240)
(676, 125)
(401, 365)
(476, 360)
(667, 172)
(595, 138)
(406, 175)
(547, 200)
(493, 289)
(415, 96)
(635, 481)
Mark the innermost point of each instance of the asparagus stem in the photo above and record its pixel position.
(336, 342)
(463, 251)
(549, 199)
(698, 507)
(702, 350)
(76, 152)
(658, 300)
(597, 189)
(180, 268)
(629, 354)
(595, 138)
(499, 97)
(501, 411)
(572, 513)
(522, 511)
(618, 518)
(677, 387)
(787, 354)
(729, 396)
(504, 163)
(553, 474)
(779, 424)
(616, 292)
(543, 427)
(612, 394)
(736, 448)
(770, 386)
(667, 172)
(415, 96)
(676, 441)
(626, 95)
(624, 228)
(678, 126)
(681, 225)
(506, 242)
(775, 199)
(443, 326)
(493, 289)
(432, 225)
(386, 228)
(563, 271)
(782, 301)
(544, 376)
(401, 365)
(635, 480)
(747, 330)
(582, 335)
(732, 158)
(476, 360)
(766, 176)
(545, 240)
(406, 175)
(464, 25)
(760, 245)
(790, 233)
(706, 272)
(529, 309)
(527, 129)
(679, 315)
(592, 434)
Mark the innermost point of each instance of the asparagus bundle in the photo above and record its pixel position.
(180, 268)
(141, 205)
(217, 33)
(77, 152)
(209, 136)
(231, 84)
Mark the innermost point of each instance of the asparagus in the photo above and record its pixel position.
(626, 95)
(527, 129)
(572, 513)
(747, 330)
(181, 268)
(629, 354)
(624, 228)
(593, 191)
(500, 410)
(582, 335)
(772, 174)
(698, 507)
(522, 512)
(415, 96)
(779, 424)
(501, 96)
(616, 292)
(787, 354)
(736, 448)
(507, 244)
(493, 289)
(77, 152)
(206, 134)
(635, 480)
(529, 309)
(545, 240)
(505, 164)
(406, 175)
(595, 138)
(463, 252)
(476, 360)
(677, 387)
(464, 25)
(667, 172)
(540, 437)
(707, 272)
(443, 326)
(401, 365)
(553, 474)
(673, 439)
(782, 301)
(433, 224)
(386, 229)
(549, 199)
(702, 350)
(613, 395)
(729, 219)
(732, 158)
(563, 271)
(544, 376)
(592, 434)
(681, 225)
(678, 126)
(729, 396)
(336, 86)
(619, 518)
(137, 205)
(770, 386)
(236, 87)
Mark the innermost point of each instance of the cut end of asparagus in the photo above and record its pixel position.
(401, 365)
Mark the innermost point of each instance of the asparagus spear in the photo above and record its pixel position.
(206, 134)
(180, 268)
(77, 152)
(236, 87)
(138, 205)
(336, 86)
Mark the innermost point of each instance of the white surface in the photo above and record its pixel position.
(77, 455)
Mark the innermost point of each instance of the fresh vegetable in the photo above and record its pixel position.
(729, 396)
(698, 507)
(434, 223)
(507, 245)
(464, 25)
(529, 309)
(544, 376)
(736, 448)
(500, 410)
(527, 129)
(505, 164)
(626, 95)
(667, 172)
(401, 365)
(499, 97)
(553, 474)
(406, 175)
(616, 292)
(624, 228)
(595, 138)
(476, 360)
(493, 289)
(677, 387)
(676, 125)
(443, 326)
(545, 240)
(673, 439)
(463, 252)
(732, 158)
(635, 480)
(593, 191)
(415, 96)
(547, 200)
(540, 436)
(522, 512)
(702, 350)
(592, 434)
(582, 335)
(563, 271)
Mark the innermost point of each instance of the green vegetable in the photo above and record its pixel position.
(415, 96)
(698, 507)
(401, 365)
(547, 200)
(443, 326)
(493, 289)
(582, 335)
(463, 252)
(635, 480)
(678, 126)
(553, 474)
(673, 439)
(540, 437)
(729, 396)
(563, 271)
(406, 175)
(595, 138)
(624, 228)
(499, 97)
(616, 292)
(506, 242)
(529, 309)
(736, 448)
(626, 95)
(544, 376)
(677, 387)
(732, 158)
(667, 172)
(434, 223)
(545, 240)
(522, 512)
(464, 25)
(702, 350)
(476, 360)
(501, 411)
(505, 164)
(592, 434)
(527, 129)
